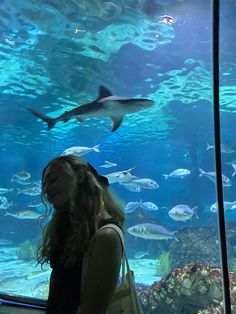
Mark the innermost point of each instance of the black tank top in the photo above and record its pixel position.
(64, 293)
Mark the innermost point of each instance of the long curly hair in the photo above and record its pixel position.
(68, 233)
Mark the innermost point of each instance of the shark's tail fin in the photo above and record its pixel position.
(50, 121)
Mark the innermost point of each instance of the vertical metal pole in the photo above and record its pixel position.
(221, 217)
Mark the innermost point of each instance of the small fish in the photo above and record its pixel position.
(212, 176)
(146, 183)
(24, 214)
(132, 187)
(182, 212)
(38, 183)
(166, 19)
(105, 105)
(4, 191)
(131, 207)
(10, 42)
(178, 173)
(227, 149)
(35, 204)
(23, 175)
(80, 150)
(151, 232)
(5, 242)
(231, 162)
(140, 254)
(78, 30)
(3, 200)
(234, 170)
(22, 182)
(108, 164)
(148, 206)
(6, 205)
(33, 191)
(227, 206)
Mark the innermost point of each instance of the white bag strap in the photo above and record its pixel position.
(129, 278)
(124, 259)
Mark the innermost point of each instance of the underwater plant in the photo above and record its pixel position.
(26, 251)
(233, 264)
(163, 267)
(43, 291)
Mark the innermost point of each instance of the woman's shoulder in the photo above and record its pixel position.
(107, 237)
(107, 234)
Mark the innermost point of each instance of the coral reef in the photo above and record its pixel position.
(192, 248)
(194, 288)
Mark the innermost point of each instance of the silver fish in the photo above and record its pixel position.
(3, 200)
(32, 191)
(212, 176)
(6, 205)
(178, 173)
(35, 204)
(81, 150)
(22, 182)
(108, 164)
(131, 186)
(4, 191)
(227, 206)
(148, 206)
(146, 183)
(152, 232)
(131, 207)
(182, 212)
(24, 214)
(234, 168)
(227, 149)
(23, 175)
(5, 242)
(140, 254)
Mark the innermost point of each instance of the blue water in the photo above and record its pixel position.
(48, 66)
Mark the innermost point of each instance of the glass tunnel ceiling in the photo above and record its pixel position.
(53, 58)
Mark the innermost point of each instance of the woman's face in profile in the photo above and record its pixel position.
(59, 184)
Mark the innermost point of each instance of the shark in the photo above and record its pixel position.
(105, 105)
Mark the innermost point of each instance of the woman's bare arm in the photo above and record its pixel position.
(103, 271)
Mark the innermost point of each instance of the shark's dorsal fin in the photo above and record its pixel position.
(103, 92)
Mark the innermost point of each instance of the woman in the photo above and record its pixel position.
(82, 204)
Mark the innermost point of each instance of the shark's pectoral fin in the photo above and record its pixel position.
(116, 122)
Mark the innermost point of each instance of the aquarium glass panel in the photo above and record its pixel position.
(228, 145)
(126, 85)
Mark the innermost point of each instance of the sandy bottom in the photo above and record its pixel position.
(23, 278)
